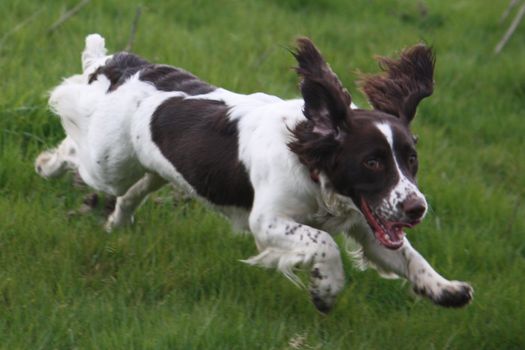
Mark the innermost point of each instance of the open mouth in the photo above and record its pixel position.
(388, 233)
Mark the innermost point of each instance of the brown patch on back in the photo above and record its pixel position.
(200, 141)
(123, 65)
(167, 78)
(119, 68)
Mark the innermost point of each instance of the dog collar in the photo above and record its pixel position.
(314, 175)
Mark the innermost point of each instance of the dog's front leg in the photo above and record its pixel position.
(286, 244)
(408, 263)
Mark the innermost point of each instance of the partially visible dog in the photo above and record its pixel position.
(295, 172)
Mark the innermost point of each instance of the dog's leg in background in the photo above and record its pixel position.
(54, 162)
(131, 200)
(286, 244)
(408, 263)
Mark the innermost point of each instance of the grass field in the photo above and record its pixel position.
(173, 280)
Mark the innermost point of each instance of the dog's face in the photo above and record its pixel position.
(367, 155)
(376, 166)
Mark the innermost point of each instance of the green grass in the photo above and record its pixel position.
(173, 280)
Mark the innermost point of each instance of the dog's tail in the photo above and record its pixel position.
(74, 100)
(94, 51)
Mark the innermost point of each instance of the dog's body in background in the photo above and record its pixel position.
(293, 172)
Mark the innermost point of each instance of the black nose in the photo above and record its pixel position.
(414, 207)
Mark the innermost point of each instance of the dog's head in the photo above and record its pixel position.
(367, 155)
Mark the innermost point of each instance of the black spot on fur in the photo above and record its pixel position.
(316, 274)
(420, 290)
(200, 141)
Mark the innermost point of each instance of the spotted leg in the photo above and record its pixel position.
(408, 263)
(285, 244)
(131, 200)
(54, 162)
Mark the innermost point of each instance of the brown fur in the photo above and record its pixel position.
(166, 78)
(198, 138)
(327, 107)
(327, 102)
(404, 83)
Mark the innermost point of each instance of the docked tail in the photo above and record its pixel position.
(75, 100)
(95, 50)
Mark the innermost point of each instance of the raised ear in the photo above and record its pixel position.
(403, 83)
(326, 101)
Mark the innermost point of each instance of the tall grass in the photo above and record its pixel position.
(173, 280)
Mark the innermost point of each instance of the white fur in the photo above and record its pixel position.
(404, 187)
(292, 219)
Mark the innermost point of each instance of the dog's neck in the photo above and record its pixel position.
(335, 211)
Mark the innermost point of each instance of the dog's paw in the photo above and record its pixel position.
(48, 165)
(452, 294)
(323, 305)
(457, 294)
(116, 220)
(324, 289)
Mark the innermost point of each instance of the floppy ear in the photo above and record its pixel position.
(326, 101)
(403, 84)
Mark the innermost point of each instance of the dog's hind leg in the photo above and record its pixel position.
(56, 161)
(131, 200)
(408, 263)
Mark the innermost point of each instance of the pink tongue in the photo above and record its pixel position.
(395, 233)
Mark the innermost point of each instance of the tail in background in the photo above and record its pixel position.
(95, 50)
(74, 100)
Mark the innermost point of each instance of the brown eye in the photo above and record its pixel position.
(373, 164)
(412, 160)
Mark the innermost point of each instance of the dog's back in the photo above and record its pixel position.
(127, 116)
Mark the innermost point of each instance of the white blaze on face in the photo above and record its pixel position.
(390, 206)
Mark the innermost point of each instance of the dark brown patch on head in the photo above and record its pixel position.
(363, 164)
(346, 145)
(404, 83)
(200, 141)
